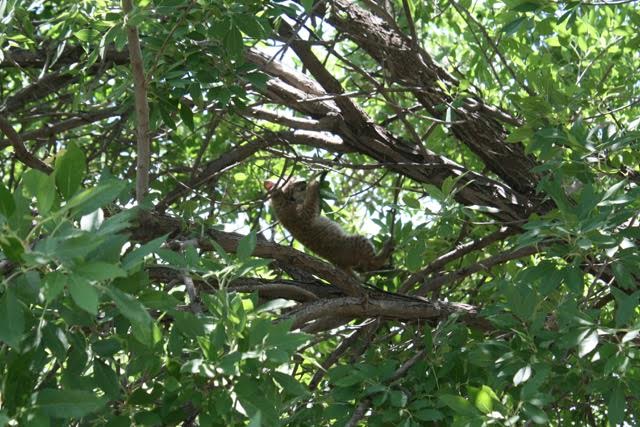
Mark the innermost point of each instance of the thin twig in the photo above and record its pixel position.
(493, 45)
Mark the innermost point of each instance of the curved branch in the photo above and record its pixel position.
(21, 152)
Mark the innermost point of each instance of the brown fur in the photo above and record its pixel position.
(297, 206)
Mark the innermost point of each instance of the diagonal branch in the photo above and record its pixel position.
(484, 265)
(47, 84)
(359, 131)
(21, 152)
(151, 225)
(478, 125)
(458, 252)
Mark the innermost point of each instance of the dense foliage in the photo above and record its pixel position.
(496, 143)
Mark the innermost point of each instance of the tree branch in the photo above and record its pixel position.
(152, 225)
(142, 107)
(478, 127)
(456, 253)
(80, 119)
(18, 147)
(483, 265)
(397, 309)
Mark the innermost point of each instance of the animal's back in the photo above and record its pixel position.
(327, 239)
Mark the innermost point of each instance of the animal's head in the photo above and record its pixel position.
(289, 192)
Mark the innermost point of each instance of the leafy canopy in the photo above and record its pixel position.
(496, 143)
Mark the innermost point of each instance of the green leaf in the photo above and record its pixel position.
(69, 170)
(186, 115)
(250, 25)
(512, 27)
(11, 319)
(174, 259)
(53, 285)
(308, 5)
(7, 204)
(87, 35)
(626, 305)
(135, 257)
(99, 271)
(613, 189)
(458, 404)
(289, 384)
(130, 307)
(411, 201)
(42, 187)
(623, 274)
(484, 400)
(83, 294)
(414, 258)
(12, 248)
(233, 42)
(398, 398)
(256, 419)
(589, 199)
(68, 403)
(188, 324)
(536, 414)
(96, 197)
(246, 246)
(428, 415)
(573, 277)
(106, 379)
(616, 406)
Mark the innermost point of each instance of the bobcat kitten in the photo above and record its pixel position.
(297, 206)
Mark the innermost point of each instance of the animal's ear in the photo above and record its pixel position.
(269, 185)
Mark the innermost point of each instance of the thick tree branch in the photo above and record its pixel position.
(70, 55)
(406, 310)
(152, 225)
(479, 126)
(359, 131)
(46, 85)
